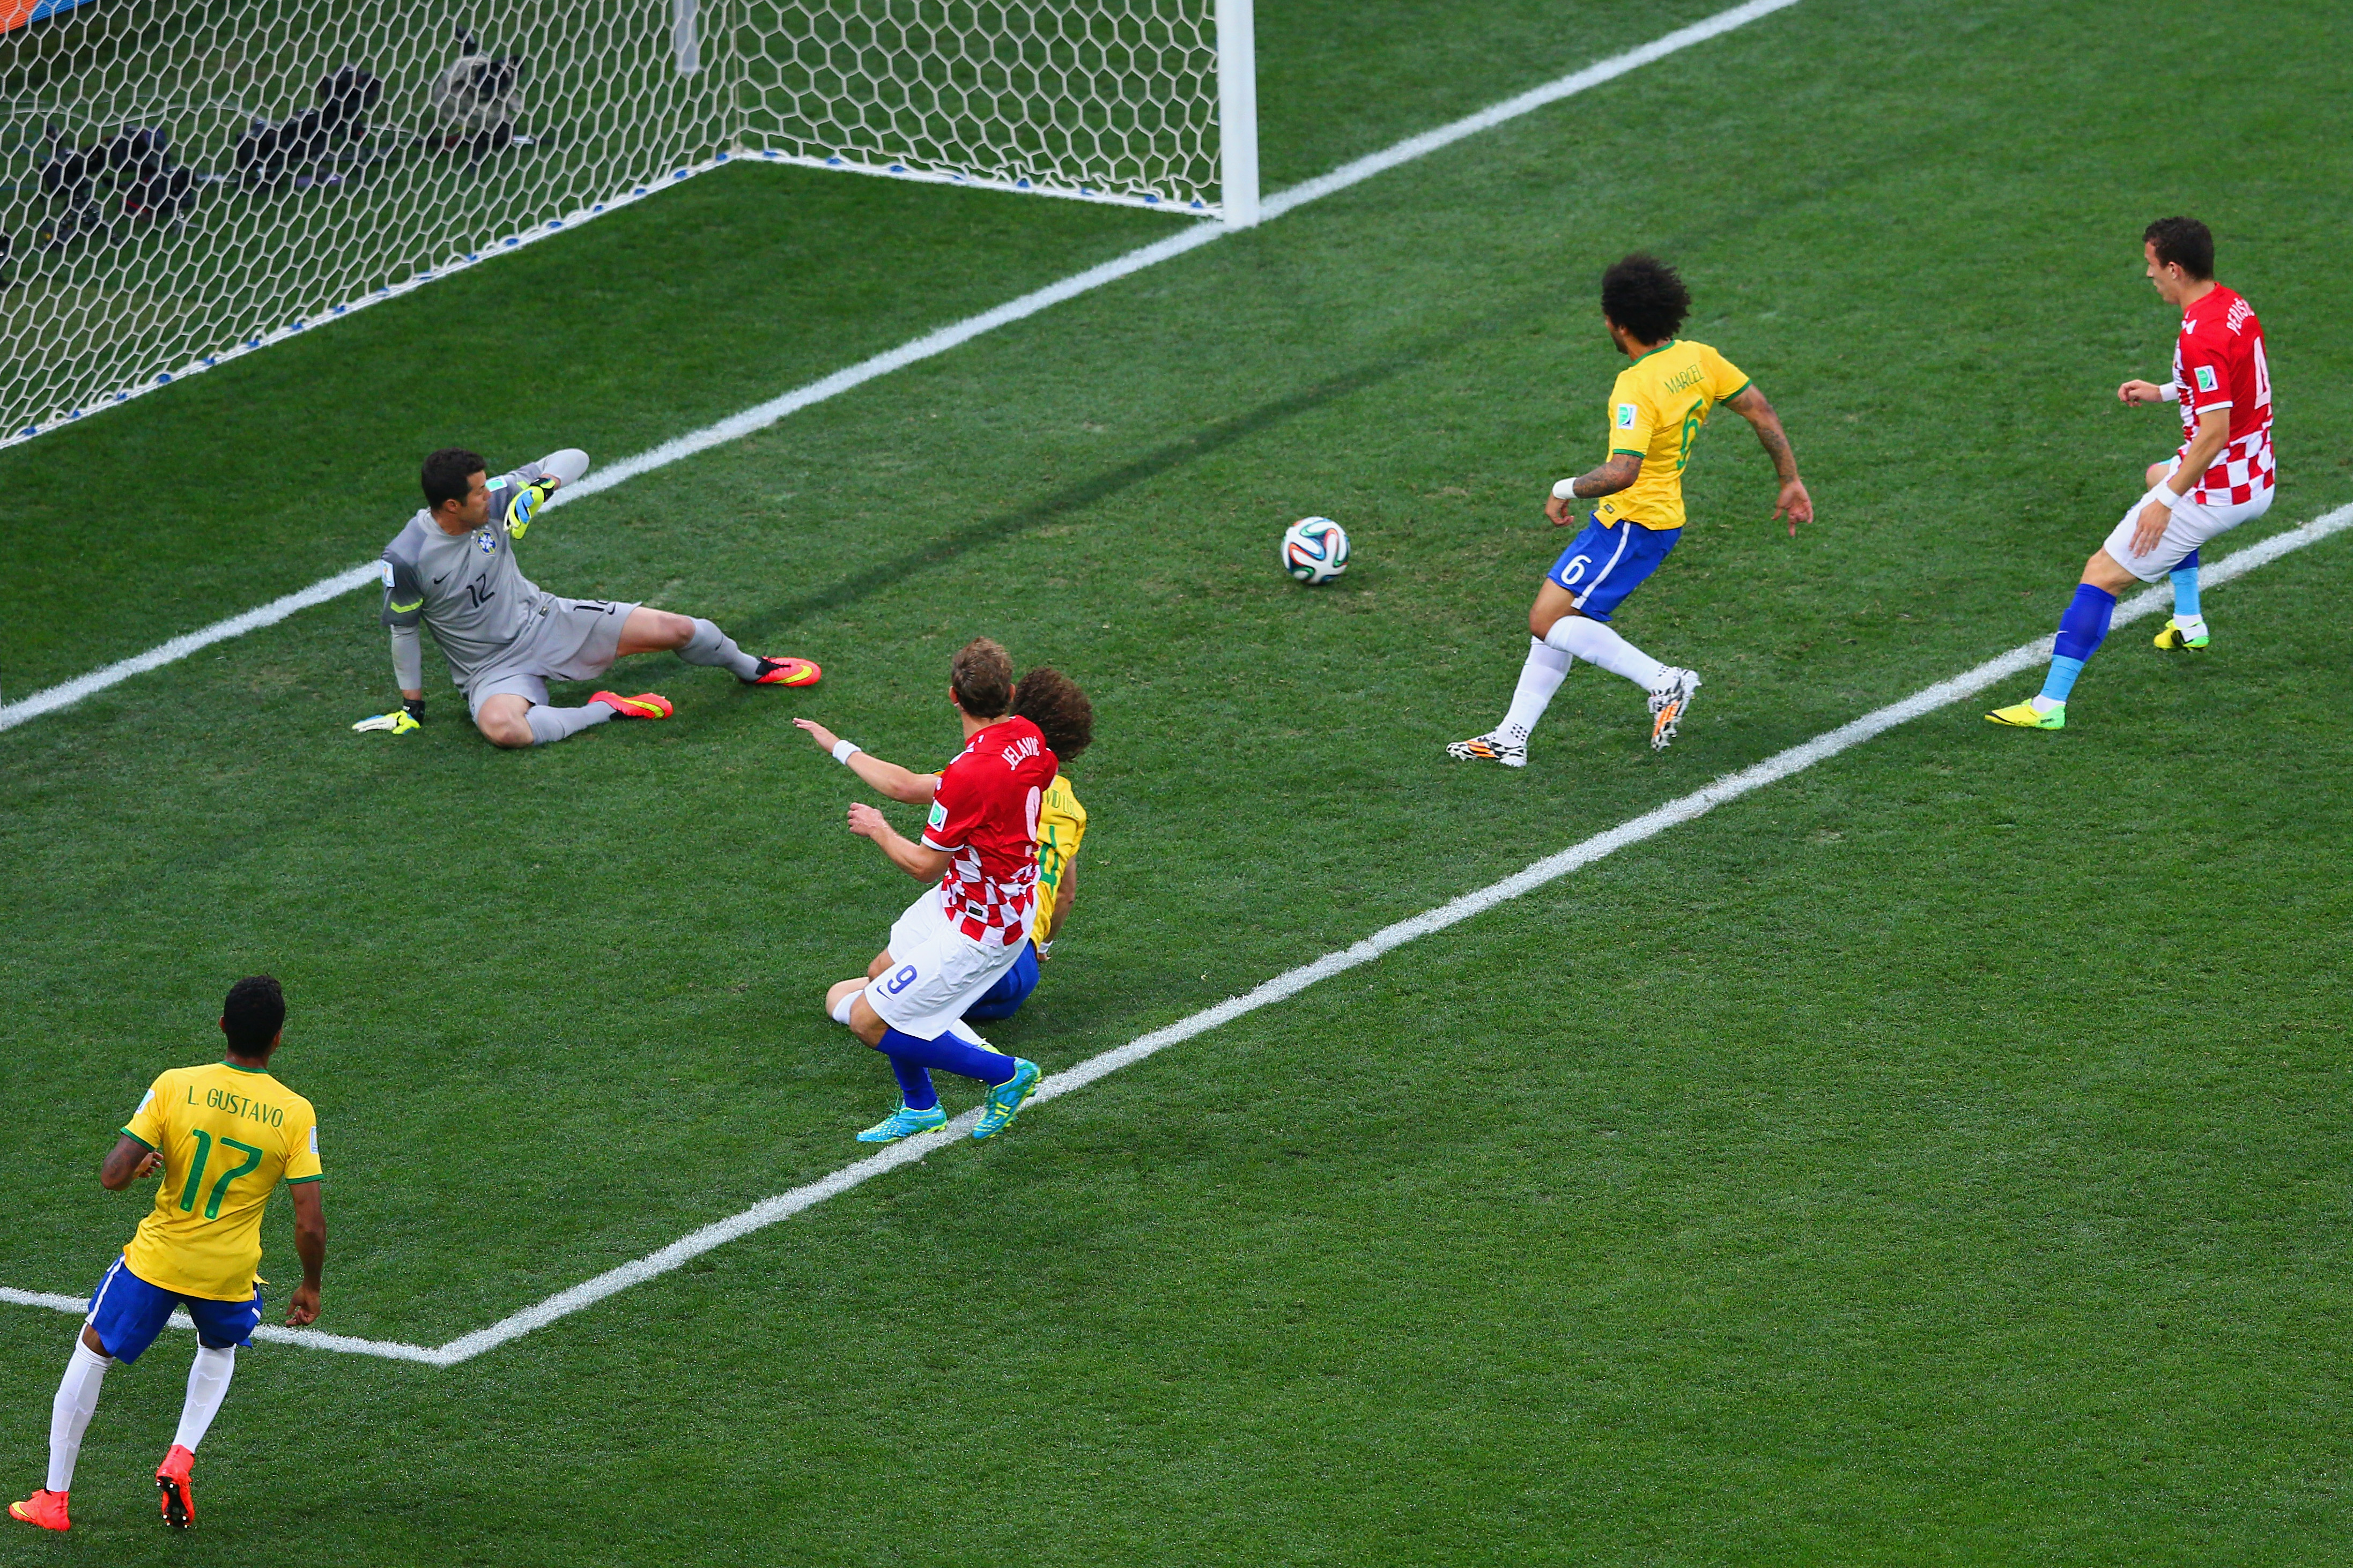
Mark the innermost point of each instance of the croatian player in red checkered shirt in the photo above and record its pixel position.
(956, 941)
(2221, 476)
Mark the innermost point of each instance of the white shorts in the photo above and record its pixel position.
(936, 971)
(2191, 526)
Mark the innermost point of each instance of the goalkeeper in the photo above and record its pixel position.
(453, 570)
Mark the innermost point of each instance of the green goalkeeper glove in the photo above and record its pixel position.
(527, 504)
(399, 721)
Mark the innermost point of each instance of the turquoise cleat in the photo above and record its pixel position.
(1005, 1100)
(905, 1123)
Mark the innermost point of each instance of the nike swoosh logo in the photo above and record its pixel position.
(436, 582)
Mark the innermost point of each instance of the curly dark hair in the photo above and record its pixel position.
(982, 679)
(1053, 702)
(2185, 243)
(1645, 296)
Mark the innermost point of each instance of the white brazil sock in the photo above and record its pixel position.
(208, 1387)
(1540, 676)
(69, 1416)
(1594, 642)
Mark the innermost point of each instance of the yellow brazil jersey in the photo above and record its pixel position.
(226, 1134)
(1062, 822)
(1655, 412)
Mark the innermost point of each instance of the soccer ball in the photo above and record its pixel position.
(1315, 550)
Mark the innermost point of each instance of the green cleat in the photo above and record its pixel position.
(1005, 1100)
(905, 1123)
(2181, 637)
(2027, 716)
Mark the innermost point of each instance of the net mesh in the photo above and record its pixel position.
(188, 180)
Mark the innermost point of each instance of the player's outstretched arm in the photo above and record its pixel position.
(920, 861)
(2145, 392)
(899, 783)
(311, 1246)
(1793, 501)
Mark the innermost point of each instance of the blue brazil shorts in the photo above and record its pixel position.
(1004, 999)
(1604, 564)
(128, 1314)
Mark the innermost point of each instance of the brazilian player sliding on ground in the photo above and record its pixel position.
(453, 570)
(1656, 410)
(957, 940)
(1053, 702)
(222, 1136)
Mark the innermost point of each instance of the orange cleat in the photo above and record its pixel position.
(172, 1480)
(786, 672)
(644, 705)
(44, 1508)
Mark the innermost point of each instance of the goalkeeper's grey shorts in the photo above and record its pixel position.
(568, 639)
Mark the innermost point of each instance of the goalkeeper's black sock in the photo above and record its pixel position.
(709, 645)
(549, 725)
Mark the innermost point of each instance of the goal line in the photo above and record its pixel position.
(1730, 787)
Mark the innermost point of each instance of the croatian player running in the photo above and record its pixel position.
(2221, 476)
(453, 569)
(223, 1135)
(1656, 410)
(956, 941)
(1053, 702)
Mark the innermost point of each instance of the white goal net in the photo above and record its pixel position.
(189, 179)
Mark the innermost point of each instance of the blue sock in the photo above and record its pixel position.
(2185, 587)
(949, 1054)
(2081, 631)
(914, 1084)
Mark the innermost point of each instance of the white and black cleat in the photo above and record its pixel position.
(1669, 703)
(1491, 747)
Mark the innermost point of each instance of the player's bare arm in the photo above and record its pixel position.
(920, 861)
(2214, 435)
(1066, 893)
(311, 1246)
(1793, 501)
(902, 784)
(2140, 392)
(1618, 473)
(126, 1162)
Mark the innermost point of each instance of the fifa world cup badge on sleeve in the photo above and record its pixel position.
(1625, 417)
(939, 817)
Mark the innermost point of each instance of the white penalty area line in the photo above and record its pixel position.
(929, 346)
(1550, 869)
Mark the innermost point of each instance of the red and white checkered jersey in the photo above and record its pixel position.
(985, 814)
(2218, 363)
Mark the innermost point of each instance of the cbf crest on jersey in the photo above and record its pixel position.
(490, 543)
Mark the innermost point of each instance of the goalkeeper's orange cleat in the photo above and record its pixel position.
(172, 1479)
(46, 1509)
(785, 672)
(644, 705)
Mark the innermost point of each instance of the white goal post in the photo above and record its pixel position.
(190, 180)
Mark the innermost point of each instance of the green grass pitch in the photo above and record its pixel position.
(1939, 1157)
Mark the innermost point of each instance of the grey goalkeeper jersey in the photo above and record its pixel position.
(466, 587)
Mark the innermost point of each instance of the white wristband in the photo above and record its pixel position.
(1565, 491)
(2169, 393)
(2166, 497)
(845, 750)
